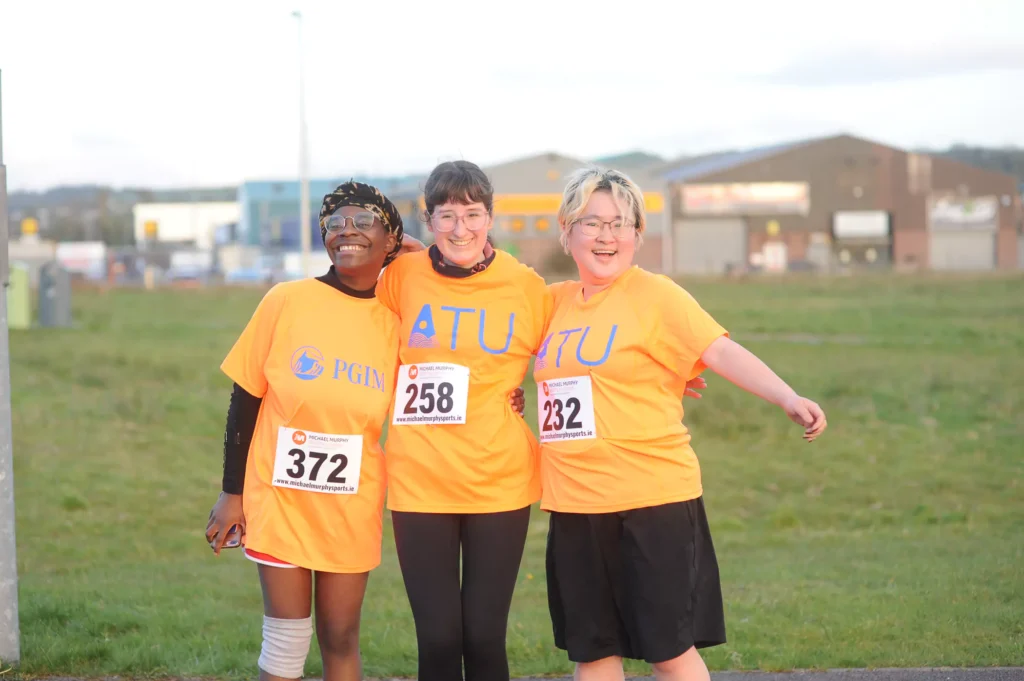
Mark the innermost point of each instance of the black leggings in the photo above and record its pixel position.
(461, 623)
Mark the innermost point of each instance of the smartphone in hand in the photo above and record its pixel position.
(234, 539)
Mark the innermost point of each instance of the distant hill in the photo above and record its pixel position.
(93, 212)
(91, 195)
(1005, 160)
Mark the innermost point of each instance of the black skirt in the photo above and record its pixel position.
(640, 584)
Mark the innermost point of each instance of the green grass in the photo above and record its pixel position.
(893, 541)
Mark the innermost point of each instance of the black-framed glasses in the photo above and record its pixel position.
(335, 224)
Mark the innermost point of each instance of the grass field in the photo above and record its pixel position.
(895, 540)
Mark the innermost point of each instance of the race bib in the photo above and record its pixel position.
(431, 394)
(565, 409)
(318, 462)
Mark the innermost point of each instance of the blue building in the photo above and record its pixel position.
(270, 209)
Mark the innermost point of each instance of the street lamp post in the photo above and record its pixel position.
(9, 635)
(304, 234)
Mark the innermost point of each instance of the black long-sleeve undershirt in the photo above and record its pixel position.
(242, 413)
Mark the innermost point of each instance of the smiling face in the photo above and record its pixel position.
(460, 232)
(459, 200)
(357, 241)
(602, 241)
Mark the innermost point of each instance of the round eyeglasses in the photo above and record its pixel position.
(335, 224)
(445, 221)
(592, 227)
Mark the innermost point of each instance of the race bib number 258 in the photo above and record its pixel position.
(565, 409)
(435, 393)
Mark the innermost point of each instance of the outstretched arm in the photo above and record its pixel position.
(732, 361)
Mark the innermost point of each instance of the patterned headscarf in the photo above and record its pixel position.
(354, 193)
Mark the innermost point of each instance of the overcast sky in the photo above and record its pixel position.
(205, 92)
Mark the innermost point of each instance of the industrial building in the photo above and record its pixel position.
(835, 202)
(269, 210)
(821, 204)
(194, 224)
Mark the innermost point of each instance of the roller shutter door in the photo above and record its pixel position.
(710, 246)
(962, 250)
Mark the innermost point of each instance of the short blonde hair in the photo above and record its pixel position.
(583, 183)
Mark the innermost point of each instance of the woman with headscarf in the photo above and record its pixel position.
(314, 374)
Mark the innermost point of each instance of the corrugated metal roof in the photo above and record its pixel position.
(710, 164)
(630, 159)
(549, 156)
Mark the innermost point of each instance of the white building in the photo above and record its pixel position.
(191, 224)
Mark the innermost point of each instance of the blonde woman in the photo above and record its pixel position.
(631, 567)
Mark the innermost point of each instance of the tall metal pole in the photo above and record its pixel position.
(304, 235)
(9, 636)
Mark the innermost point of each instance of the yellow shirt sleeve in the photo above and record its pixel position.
(555, 294)
(542, 310)
(681, 329)
(244, 363)
(560, 289)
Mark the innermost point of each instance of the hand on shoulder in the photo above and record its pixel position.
(411, 244)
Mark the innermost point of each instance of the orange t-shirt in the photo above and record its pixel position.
(324, 363)
(482, 330)
(611, 376)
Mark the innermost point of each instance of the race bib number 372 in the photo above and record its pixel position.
(565, 409)
(318, 462)
(435, 393)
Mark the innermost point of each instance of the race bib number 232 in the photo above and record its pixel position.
(435, 393)
(565, 409)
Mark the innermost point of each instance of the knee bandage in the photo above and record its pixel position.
(285, 646)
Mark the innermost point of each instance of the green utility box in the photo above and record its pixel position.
(19, 298)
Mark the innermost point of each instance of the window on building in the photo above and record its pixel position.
(919, 173)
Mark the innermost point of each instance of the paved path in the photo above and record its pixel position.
(986, 674)
(990, 674)
(939, 674)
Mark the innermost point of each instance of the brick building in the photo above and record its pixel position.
(838, 201)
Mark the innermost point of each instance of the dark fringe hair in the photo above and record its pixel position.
(458, 182)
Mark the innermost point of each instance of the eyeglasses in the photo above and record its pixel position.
(474, 220)
(592, 227)
(335, 224)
